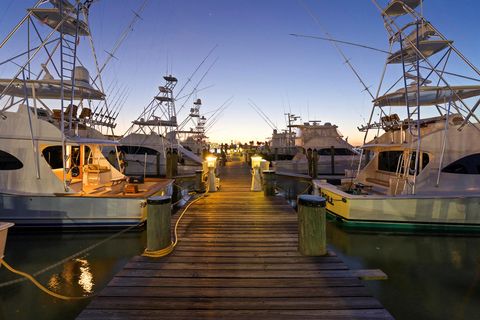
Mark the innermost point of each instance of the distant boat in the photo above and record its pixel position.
(422, 172)
(334, 154)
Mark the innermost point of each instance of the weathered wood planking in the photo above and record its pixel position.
(237, 258)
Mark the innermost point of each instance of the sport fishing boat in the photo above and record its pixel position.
(333, 155)
(154, 135)
(52, 170)
(423, 171)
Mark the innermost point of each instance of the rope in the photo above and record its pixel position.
(73, 256)
(26, 276)
(166, 251)
(39, 285)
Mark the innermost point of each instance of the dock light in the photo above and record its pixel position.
(256, 178)
(211, 161)
(213, 181)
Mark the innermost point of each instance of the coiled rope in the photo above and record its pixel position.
(167, 250)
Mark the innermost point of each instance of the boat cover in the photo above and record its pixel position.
(426, 47)
(49, 89)
(429, 95)
(396, 7)
(52, 18)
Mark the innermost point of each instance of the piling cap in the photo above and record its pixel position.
(309, 200)
(159, 200)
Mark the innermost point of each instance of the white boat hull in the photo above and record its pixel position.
(422, 210)
(73, 211)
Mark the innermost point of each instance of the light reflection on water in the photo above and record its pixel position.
(78, 277)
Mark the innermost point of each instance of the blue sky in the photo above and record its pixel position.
(257, 59)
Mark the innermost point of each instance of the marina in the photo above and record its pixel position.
(129, 191)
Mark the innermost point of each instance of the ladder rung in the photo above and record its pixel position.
(69, 62)
(68, 41)
(68, 54)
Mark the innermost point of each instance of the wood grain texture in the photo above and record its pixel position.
(237, 258)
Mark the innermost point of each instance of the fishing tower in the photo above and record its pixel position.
(425, 91)
(49, 81)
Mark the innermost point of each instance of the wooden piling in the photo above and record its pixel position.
(199, 183)
(268, 183)
(158, 222)
(311, 225)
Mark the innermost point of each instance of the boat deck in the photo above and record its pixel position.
(237, 258)
(146, 189)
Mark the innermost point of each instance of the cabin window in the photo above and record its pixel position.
(53, 156)
(466, 165)
(9, 162)
(336, 152)
(388, 160)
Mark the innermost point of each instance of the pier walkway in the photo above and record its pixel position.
(237, 258)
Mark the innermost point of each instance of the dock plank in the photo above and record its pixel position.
(237, 258)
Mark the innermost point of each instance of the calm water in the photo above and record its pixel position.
(430, 277)
(79, 277)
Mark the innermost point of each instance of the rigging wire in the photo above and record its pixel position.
(347, 61)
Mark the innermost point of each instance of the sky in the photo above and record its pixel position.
(257, 58)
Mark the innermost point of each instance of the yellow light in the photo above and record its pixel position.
(211, 161)
(256, 161)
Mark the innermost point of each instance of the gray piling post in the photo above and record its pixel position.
(168, 168)
(268, 183)
(199, 184)
(312, 240)
(332, 159)
(159, 214)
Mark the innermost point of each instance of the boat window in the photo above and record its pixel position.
(466, 165)
(425, 159)
(53, 156)
(388, 160)
(337, 152)
(9, 162)
(138, 150)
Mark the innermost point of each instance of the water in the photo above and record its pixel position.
(79, 277)
(430, 276)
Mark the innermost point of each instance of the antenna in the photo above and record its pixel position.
(339, 41)
(262, 114)
(195, 71)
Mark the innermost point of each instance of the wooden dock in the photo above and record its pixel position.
(237, 259)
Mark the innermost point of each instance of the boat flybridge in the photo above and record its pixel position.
(335, 156)
(423, 152)
(154, 135)
(52, 170)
